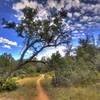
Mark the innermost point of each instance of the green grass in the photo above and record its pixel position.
(89, 92)
(26, 91)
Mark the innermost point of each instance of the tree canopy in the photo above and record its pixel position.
(52, 24)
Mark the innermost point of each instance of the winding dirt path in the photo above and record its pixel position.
(41, 93)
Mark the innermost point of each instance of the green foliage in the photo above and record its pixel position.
(75, 70)
(38, 33)
(6, 60)
(27, 70)
(86, 51)
(27, 90)
(20, 73)
(57, 64)
(7, 64)
(41, 68)
(90, 92)
(9, 85)
(31, 26)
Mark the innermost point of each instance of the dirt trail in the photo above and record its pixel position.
(41, 93)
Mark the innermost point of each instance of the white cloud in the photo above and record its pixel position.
(69, 15)
(76, 14)
(85, 18)
(47, 52)
(29, 53)
(63, 3)
(7, 46)
(50, 51)
(76, 3)
(6, 41)
(25, 3)
(42, 12)
(21, 5)
(52, 3)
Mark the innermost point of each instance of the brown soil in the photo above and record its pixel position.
(41, 93)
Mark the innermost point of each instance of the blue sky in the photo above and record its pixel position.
(9, 41)
(8, 13)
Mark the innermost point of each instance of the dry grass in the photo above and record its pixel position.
(89, 92)
(26, 90)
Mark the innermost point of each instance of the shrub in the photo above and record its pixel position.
(9, 85)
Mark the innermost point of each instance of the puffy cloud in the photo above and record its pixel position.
(6, 41)
(52, 3)
(85, 18)
(48, 52)
(25, 3)
(21, 5)
(67, 4)
(7, 46)
(83, 15)
(69, 15)
(52, 50)
(76, 14)
(63, 3)
(42, 12)
(29, 52)
(55, 4)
